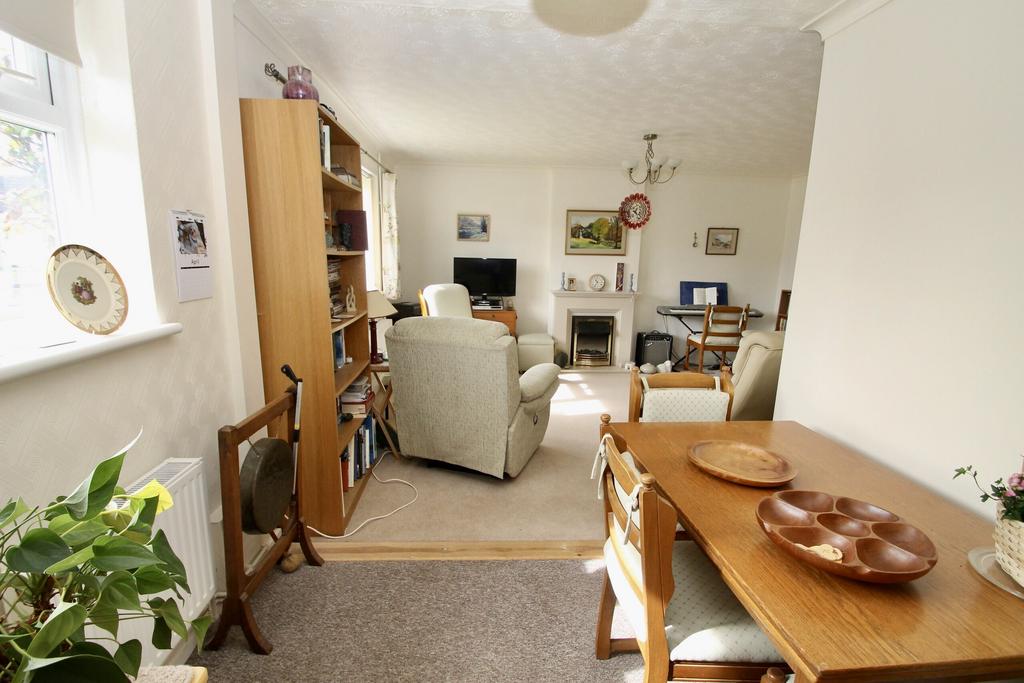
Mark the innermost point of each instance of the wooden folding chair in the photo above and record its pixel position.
(723, 327)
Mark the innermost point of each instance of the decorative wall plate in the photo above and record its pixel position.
(597, 282)
(86, 289)
(635, 211)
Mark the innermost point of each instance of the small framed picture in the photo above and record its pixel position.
(570, 284)
(722, 241)
(474, 227)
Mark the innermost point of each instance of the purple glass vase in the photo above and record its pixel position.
(300, 85)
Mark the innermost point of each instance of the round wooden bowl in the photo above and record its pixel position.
(742, 463)
(877, 546)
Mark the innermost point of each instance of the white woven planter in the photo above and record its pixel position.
(1009, 538)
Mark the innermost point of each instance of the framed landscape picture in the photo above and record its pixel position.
(722, 241)
(594, 232)
(474, 227)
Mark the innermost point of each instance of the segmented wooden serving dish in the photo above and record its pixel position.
(877, 545)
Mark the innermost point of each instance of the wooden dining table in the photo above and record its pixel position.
(949, 625)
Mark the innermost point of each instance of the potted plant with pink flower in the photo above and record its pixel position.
(1009, 532)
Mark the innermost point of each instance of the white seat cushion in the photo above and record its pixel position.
(716, 341)
(704, 620)
(684, 405)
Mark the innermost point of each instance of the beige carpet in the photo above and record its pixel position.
(553, 498)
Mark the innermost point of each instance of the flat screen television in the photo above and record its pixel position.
(486, 276)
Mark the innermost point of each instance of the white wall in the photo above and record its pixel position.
(431, 197)
(913, 214)
(794, 217)
(688, 204)
(178, 145)
(589, 188)
(257, 42)
(528, 207)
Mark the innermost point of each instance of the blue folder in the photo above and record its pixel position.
(686, 288)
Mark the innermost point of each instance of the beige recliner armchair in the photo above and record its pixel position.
(459, 398)
(755, 375)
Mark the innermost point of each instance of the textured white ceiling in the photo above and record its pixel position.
(729, 85)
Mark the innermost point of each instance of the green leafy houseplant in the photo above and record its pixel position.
(89, 559)
(1009, 494)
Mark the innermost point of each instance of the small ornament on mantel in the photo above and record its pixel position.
(350, 300)
(620, 276)
(635, 211)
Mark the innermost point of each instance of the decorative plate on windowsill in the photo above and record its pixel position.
(86, 289)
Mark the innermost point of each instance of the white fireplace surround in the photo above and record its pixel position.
(618, 305)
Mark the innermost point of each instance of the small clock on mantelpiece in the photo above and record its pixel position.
(597, 282)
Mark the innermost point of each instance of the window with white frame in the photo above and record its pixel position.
(371, 204)
(40, 148)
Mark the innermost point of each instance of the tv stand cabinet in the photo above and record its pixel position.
(506, 316)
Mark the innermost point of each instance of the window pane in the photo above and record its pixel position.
(28, 218)
(24, 70)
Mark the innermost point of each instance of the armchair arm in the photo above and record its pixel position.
(536, 381)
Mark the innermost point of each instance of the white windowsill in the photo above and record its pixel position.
(46, 359)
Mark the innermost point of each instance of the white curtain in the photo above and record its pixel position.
(391, 284)
(47, 24)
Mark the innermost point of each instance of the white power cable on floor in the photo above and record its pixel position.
(374, 519)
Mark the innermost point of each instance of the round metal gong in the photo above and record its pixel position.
(266, 485)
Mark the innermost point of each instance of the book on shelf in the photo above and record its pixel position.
(361, 454)
(325, 144)
(358, 408)
(340, 359)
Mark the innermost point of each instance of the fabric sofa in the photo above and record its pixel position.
(755, 375)
(459, 397)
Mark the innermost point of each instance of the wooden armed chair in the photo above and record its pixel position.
(688, 624)
(674, 380)
(723, 327)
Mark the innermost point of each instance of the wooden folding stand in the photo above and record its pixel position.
(240, 584)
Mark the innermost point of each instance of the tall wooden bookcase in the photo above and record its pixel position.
(292, 199)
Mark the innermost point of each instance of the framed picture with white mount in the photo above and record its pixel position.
(722, 241)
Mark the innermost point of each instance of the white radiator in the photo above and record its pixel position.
(187, 528)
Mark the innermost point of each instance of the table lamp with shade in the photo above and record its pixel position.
(377, 306)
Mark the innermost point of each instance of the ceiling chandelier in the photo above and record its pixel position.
(655, 167)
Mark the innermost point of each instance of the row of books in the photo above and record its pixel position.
(361, 454)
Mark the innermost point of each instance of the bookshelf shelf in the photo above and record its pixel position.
(346, 430)
(283, 159)
(342, 324)
(339, 136)
(344, 376)
(336, 183)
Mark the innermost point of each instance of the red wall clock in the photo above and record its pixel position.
(635, 211)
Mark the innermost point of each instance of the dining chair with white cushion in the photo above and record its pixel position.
(687, 622)
(679, 397)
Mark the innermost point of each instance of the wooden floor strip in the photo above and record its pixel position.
(343, 551)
